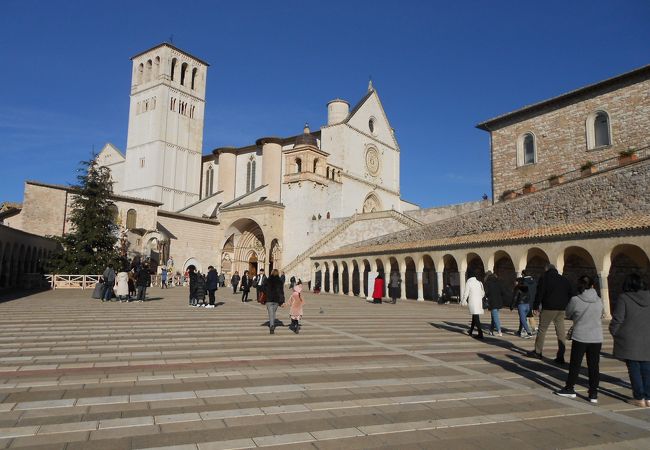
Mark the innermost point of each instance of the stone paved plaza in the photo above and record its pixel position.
(76, 373)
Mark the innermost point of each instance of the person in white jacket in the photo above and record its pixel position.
(473, 298)
(122, 286)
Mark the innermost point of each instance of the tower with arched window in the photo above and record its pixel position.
(165, 137)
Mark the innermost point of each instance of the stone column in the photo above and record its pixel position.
(313, 277)
(350, 279)
(440, 283)
(402, 293)
(272, 166)
(604, 294)
(227, 171)
(420, 287)
(461, 276)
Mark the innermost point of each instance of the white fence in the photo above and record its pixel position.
(89, 281)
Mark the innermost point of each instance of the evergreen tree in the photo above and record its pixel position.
(91, 243)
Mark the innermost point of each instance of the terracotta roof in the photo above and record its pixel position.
(630, 77)
(629, 224)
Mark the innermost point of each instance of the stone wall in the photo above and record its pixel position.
(45, 210)
(560, 134)
(618, 192)
(430, 215)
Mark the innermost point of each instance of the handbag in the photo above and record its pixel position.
(262, 299)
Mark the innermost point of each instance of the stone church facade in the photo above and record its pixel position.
(270, 204)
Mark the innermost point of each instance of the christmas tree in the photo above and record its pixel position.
(91, 243)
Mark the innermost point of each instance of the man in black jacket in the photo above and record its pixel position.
(211, 284)
(553, 294)
(143, 281)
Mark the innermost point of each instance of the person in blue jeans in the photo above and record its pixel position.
(109, 283)
(629, 326)
(495, 293)
(521, 301)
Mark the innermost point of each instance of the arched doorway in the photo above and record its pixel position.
(356, 279)
(252, 264)
(626, 259)
(578, 262)
(505, 270)
(429, 279)
(345, 281)
(245, 237)
(366, 270)
(195, 262)
(475, 267)
(450, 274)
(327, 279)
(411, 281)
(536, 261)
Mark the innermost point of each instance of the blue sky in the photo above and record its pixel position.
(439, 68)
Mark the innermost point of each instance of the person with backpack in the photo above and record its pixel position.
(522, 301)
(109, 283)
(211, 284)
(553, 294)
(143, 281)
(200, 290)
(296, 303)
(586, 311)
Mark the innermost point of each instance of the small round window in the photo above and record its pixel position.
(371, 125)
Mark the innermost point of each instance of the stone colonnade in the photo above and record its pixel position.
(21, 254)
(424, 273)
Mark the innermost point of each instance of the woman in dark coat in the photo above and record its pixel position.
(274, 297)
(629, 326)
(495, 293)
(245, 286)
(379, 289)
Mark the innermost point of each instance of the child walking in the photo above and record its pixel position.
(295, 307)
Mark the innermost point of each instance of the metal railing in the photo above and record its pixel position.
(598, 166)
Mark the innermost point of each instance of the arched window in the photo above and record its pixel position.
(316, 165)
(599, 133)
(131, 219)
(156, 67)
(174, 61)
(183, 73)
(328, 172)
(209, 176)
(250, 175)
(194, 71)
(526, 149)
(253, 164)
(298, 165)
(147, 75)
(140, 73)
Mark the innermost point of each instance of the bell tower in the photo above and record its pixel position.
(165, 136)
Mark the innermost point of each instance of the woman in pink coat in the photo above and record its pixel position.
(295, 307)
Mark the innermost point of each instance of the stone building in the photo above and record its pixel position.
(269, 204)
(594, 221)
(560, 135)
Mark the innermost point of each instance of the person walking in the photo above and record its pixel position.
(295, 308)
(586, 311)
(521, 300)
(394, 286)
(283, 277)
(379, 289)
(274, 291)
(234, 282)
(122, 286)
(260, 283)
(531, 284)
(109, 283)
(211, 284)
(193, 284)
(222, 279)
(143, 281)
(132, 279)
(163, 278)
(553, 294)
(495, 293)
(629, 327)
(292, 282)
(245, 286)
(473, 298)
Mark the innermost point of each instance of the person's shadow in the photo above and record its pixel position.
(278, 323)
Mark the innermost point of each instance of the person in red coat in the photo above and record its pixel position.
(378, 291)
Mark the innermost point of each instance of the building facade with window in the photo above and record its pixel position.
(564, 133)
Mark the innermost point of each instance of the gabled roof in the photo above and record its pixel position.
(173, 47)
(358, 106)
(627, 78)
